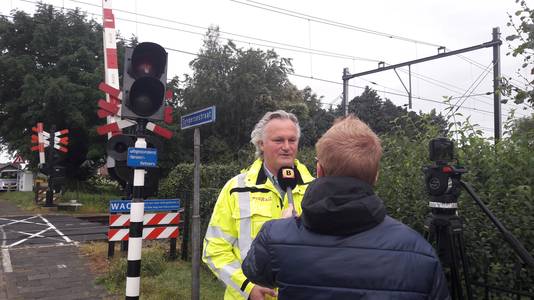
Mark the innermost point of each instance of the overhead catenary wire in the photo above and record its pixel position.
(391, 93)
(442, 85)
(346, 26)
(307, 50)
(194, 54)
(472, 87)
(330, 22)
(298, 48)
(303, 76)
(396, 94)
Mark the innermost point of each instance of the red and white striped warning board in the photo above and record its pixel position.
(158, 226)
(149, 233)
(123, 220)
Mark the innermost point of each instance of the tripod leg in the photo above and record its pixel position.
(454, 269)
(428, 235)
(465, 264)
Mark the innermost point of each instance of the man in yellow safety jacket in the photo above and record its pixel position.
(252, 198)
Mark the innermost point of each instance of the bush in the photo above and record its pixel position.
(180, 179)
(179, 184)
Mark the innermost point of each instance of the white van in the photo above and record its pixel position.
(8, 180)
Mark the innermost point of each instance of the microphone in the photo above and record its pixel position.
(287, 179)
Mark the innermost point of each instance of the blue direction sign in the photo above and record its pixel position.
(142, 157)
(203, 116)
(121, 206)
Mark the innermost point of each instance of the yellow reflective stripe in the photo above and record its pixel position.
(215, 232)
(245, 236)
(225, 272)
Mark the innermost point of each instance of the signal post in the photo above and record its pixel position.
(144, 81)
(143, 96)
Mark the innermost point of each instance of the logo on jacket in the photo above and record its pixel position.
(261, 199)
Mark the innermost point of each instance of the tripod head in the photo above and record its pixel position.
(442, 180)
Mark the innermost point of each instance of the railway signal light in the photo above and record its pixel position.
(144, 82)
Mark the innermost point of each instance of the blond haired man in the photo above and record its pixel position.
(350, 247)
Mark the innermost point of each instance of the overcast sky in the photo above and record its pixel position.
(401, 31)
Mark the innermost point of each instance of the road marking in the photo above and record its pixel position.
(41, 236)
(31, 236)
(6, 261)
(61, 266)
(27, 233)
(35, 246)
(66, 238)
(20, 221)
(49, 225)
(4, 237)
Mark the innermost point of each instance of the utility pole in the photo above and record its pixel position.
(345, 101)
(497, 84)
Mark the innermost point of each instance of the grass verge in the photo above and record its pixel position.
(160, 278)
(24, 200)
(93, 202)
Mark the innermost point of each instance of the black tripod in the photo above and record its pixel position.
(446, 229)
(443, 183)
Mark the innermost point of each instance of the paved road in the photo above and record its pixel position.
(53, 229)
(40, 258)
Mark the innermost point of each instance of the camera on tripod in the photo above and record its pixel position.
(442, 179)
(441, 150)
(443, 225)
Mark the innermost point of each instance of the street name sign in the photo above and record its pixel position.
(203, 116)
(121, 206)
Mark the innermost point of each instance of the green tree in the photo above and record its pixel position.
(51, 64)
(521, 44)
(318, 120)
(243, 84)
(524, 127)
(383, 116)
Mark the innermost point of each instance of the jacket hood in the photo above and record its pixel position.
(341, 206)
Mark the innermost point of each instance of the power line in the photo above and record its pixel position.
(391, 93)
(472, 87)
(481, 66)
(299, 48)
(342, 25)
(194, 54)
(396, 94)
(308, 50)
(443, 84)
(330, 22)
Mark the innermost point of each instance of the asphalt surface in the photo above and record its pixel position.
(40, 257)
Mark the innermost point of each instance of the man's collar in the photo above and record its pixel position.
(267, 172)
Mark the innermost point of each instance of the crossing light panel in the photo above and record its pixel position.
(144, 82)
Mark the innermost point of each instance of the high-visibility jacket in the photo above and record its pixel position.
(246, 202)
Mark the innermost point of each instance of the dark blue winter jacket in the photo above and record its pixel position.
(344, 247)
